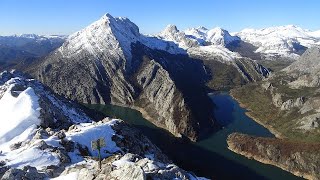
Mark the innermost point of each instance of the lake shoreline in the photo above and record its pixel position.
(146, 116)
(276, 133)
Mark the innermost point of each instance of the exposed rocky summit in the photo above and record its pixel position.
(307, 63)
(301, 159)
(305, 70)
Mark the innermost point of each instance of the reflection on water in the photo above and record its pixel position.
(210, 157)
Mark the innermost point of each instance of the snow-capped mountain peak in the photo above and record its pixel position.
(30, 36)
(170, 29)
(199, 33)
(108, 34)
(171, 32)
(219, 36)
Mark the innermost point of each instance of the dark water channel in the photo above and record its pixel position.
(210, 157)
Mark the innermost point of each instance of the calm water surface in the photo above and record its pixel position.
(209, 157)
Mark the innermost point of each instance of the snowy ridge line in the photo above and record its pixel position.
(116, 35)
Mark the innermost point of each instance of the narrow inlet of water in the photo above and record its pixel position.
(209, 157)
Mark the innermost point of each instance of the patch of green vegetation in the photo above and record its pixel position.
(224, 76)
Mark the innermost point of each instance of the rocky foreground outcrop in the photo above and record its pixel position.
(128, 155)
(301, 159)
(137, 159)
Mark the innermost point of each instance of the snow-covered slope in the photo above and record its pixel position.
(114, 35)
(25, 105)
(108, 35)
(286, 41)
(201, 41)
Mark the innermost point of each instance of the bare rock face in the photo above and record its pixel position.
(135, 142)
(310, 122)
(26, 173)
(129, 171)
(277, 99)
(306, 69)
(160, 96)
(289, 104)
(307, 63)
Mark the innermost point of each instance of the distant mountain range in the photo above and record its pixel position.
(23, 49)
(269, 43)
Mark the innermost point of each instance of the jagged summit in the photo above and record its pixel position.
(171, 32)
(108, 35)
(215, 36)
(171, 28)
(220, 36)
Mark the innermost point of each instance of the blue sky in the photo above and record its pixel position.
(67, 16)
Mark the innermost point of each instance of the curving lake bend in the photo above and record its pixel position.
(209, 157)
